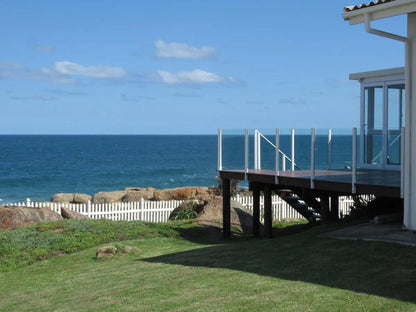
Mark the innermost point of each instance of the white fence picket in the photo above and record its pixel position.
(159, 211)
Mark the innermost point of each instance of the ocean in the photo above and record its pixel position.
(39, 166)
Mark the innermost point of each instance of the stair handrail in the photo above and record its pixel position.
(280, 151)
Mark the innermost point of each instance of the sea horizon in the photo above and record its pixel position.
(37, 166)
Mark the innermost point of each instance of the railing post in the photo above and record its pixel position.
(277, 167)
(313, 158)
(293, 150)
(329, 147)
(28, 202)
(402, 163)
(255, 149)
(219, 149)
(354, 160)
(246, 155)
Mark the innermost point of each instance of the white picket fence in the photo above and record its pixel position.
(143, 210)
(282, 210)
(159, 211)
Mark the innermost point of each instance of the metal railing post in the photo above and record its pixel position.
(246, 155)
(402, 163)
(277, 167)
(354, 160)
(219, 149)
(258, 150)
(293, 150)
(313, 158)
(329, 147)
(255, 149)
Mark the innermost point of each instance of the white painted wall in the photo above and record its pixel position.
(410, 137)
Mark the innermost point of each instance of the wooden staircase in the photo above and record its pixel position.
(303, 202)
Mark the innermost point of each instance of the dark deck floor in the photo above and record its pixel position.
(376, 182)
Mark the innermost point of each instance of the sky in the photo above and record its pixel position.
(183, 67)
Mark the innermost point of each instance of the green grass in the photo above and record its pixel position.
(178, 271)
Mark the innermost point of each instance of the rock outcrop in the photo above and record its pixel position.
(74, 198)
(134, 194)
(108, 252)
(67, 213)
(108, 197)
(209, 212)
(241, 218)
(14, 217)
(180, 193)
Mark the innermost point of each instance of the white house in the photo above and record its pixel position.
(378, 124)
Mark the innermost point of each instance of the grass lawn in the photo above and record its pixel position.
(179, 271)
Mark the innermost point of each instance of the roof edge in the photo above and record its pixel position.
(378, 73)
(378, 10)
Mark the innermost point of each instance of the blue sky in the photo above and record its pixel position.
(183, 67)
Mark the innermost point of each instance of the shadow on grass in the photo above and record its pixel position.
(211, 232)
(375, 268)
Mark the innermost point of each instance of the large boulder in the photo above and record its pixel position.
(63, 198)
(71, 198)
(108, 197)
(67, 213)
(181, 193)
(137, 193)
(241, 218)
(14, 217)
(81, 198)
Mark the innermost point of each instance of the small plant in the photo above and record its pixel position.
(185, 214)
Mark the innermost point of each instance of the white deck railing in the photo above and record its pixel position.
(159, 211)
(282, 158)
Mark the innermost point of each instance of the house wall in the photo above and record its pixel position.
(410, 143)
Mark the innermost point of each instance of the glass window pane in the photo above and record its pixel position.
(395, 108)
(373, 125)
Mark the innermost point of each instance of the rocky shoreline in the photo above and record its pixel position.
(134, 194)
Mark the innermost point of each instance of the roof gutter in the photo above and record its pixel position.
(381, 33)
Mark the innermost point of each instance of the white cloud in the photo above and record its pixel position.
(18, 71)
(182, 51)
(195, 76)
(69, 68)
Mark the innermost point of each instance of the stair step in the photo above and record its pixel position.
(284, 191)
(304, 207)
(293, 197)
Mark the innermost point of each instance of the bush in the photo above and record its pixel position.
(187, 210)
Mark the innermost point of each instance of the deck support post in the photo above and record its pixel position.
(256, 209)
(226, 208)
(324, 208)
(268, 227)
(334, 215)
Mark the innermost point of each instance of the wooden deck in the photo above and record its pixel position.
(376, 182)
(318, 199)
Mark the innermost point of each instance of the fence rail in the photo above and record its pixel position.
(159, 211)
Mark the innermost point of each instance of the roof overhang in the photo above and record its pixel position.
(391, 72)
(378, 10)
